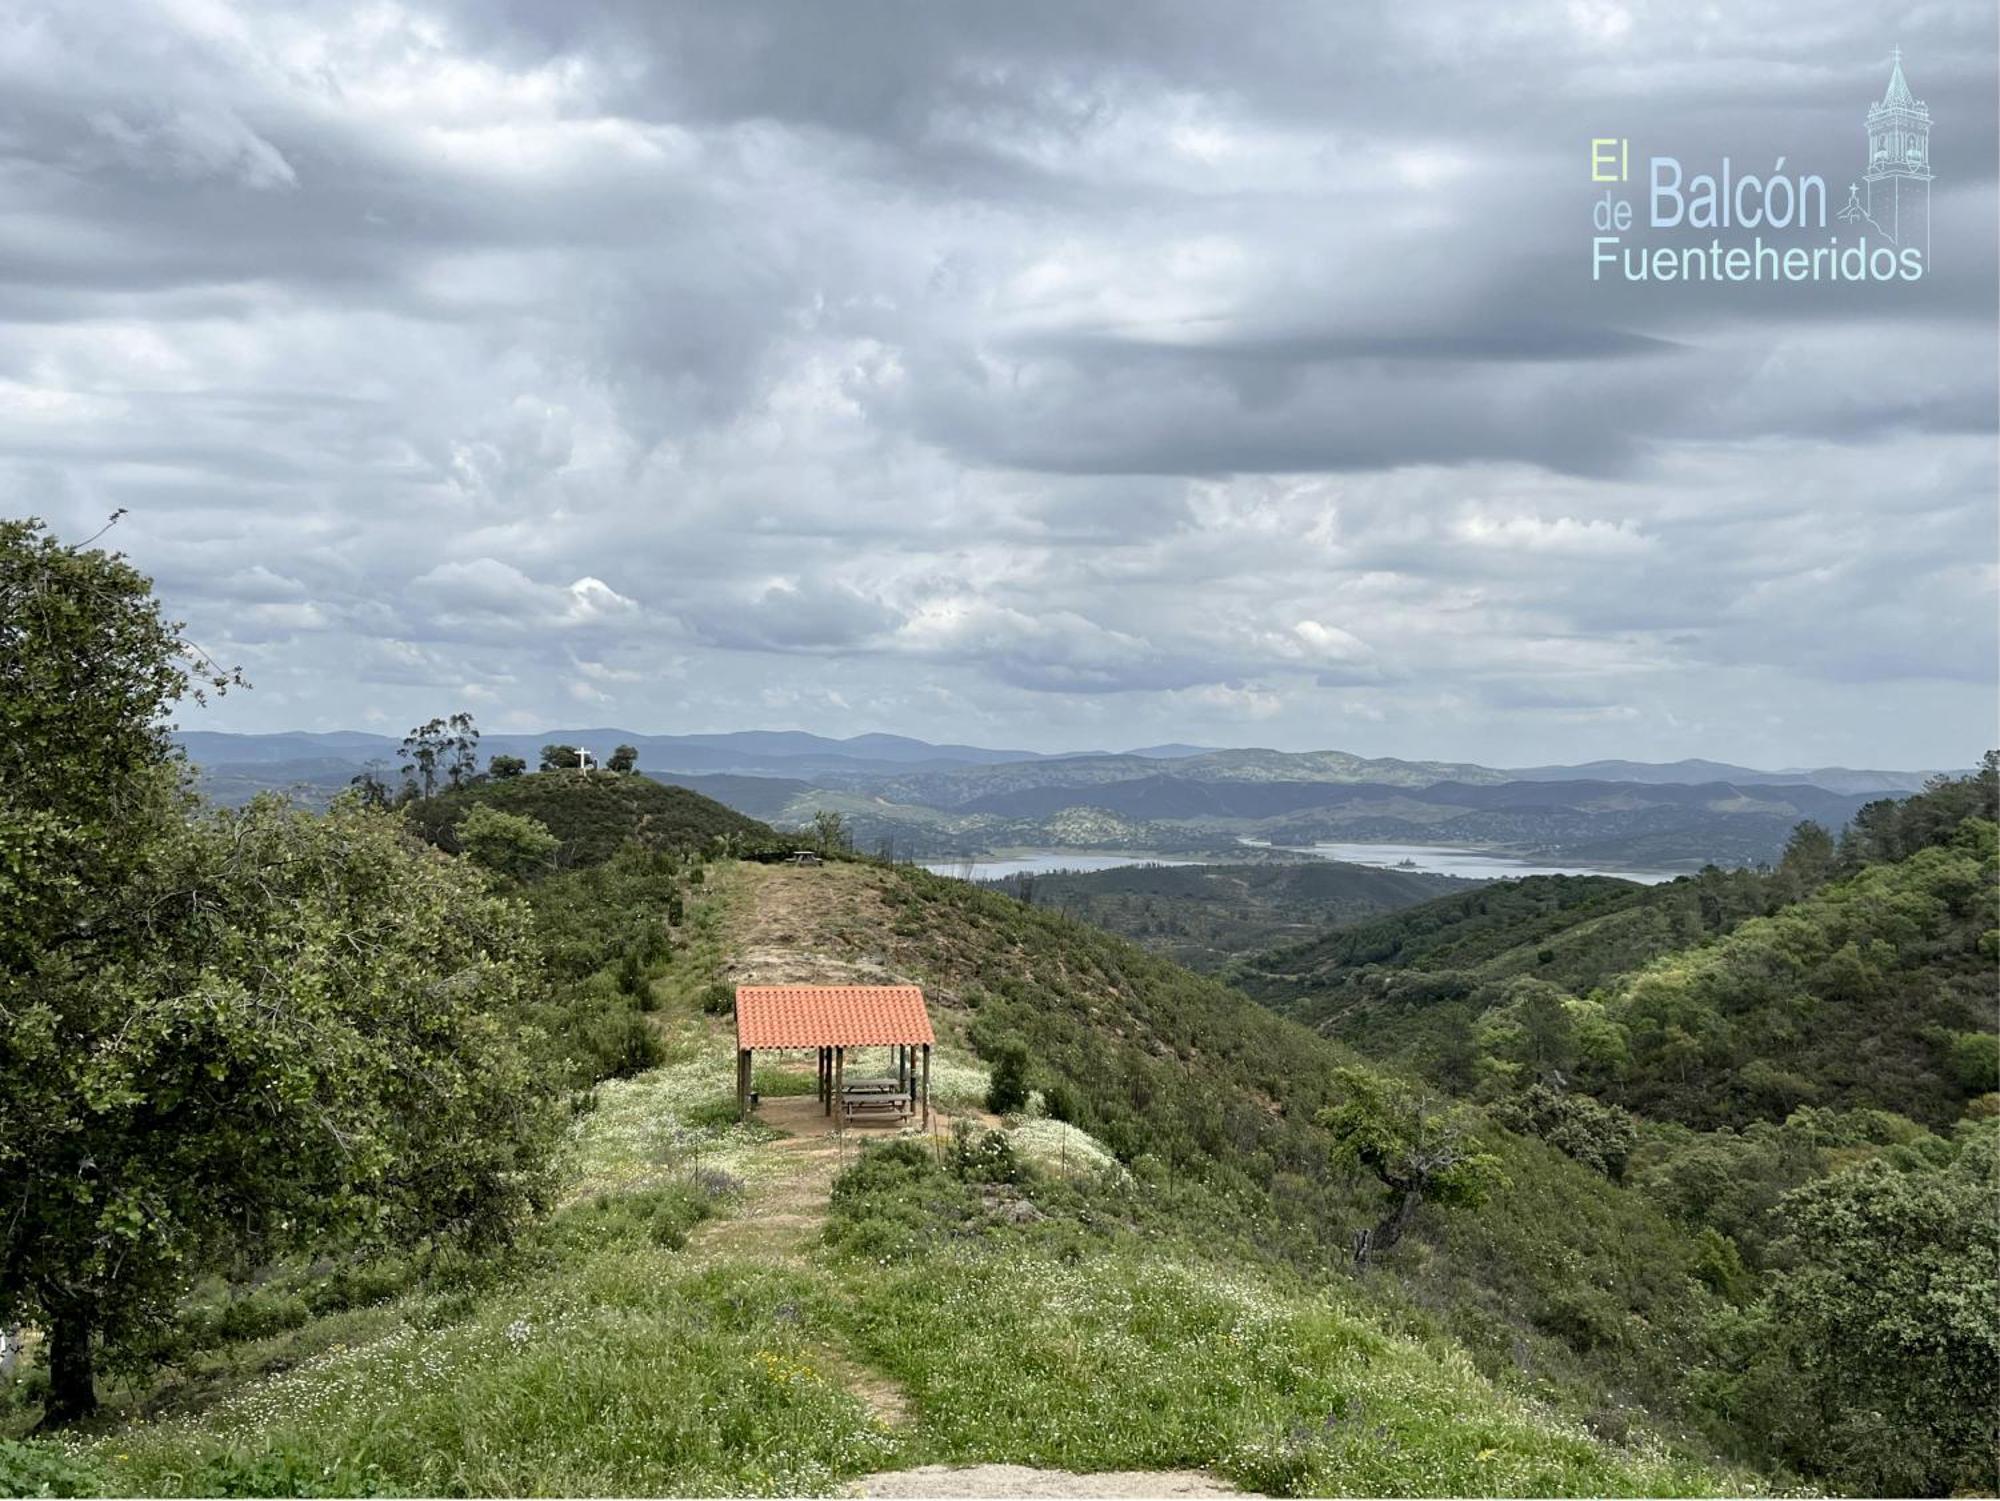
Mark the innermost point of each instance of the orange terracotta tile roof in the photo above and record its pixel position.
(830, 1016)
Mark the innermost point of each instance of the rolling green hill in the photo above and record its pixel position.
(593, 813)
(1715, 999)
(1202, 915)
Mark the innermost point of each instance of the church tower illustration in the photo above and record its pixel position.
(1897, 184)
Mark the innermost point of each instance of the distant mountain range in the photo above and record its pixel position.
(1832, 778)
(800, 754)
(944, 800)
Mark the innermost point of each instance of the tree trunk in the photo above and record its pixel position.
(72, 1389)
(1384, 1236)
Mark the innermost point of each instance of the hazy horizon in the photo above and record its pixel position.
(578, 728)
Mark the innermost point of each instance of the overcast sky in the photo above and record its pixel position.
(1043, 374)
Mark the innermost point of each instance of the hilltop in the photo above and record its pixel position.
(593, 813)
(721, 1307)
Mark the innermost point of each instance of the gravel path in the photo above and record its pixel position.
(1019, 1480)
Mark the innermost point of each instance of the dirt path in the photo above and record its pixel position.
(1019, 1480)
(784, 1206)
(809, 926)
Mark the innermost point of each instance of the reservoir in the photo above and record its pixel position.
(1472, 865)
(1433, 859)
(1041, 862)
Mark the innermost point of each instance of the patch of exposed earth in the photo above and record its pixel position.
(1020, 1480)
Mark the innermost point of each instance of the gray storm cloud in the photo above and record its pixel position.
(1056, 374)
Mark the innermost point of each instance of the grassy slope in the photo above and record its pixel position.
(593, 813)
(615, 1355)
(1577, 1287)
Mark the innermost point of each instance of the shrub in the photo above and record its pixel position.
(981, 1156)
(1008, 1091)
(1059, 1102)
(34, 1469)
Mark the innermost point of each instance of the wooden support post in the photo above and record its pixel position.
(839, 1078)
(927, 1086)
(743, 1084)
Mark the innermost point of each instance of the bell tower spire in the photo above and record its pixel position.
(1898, 175)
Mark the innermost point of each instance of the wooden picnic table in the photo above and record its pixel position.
(874, 1097)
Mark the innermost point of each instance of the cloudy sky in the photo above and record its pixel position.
(1049, 374)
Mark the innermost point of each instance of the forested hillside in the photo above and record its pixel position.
(1202, 915)
(1597, 1261)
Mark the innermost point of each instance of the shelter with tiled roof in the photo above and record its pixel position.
(830, 1019)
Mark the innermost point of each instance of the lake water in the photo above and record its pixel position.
(1434, 859)
(1040, 864)
(1473, 865)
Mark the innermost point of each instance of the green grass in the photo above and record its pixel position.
(618, 1370)
(1102, 1336)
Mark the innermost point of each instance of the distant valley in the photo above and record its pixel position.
(918, 800)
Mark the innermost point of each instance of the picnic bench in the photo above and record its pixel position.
(874, 1097)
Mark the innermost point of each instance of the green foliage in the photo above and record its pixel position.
(605, 945)
(1834, 1000)
(1142, 1347)
(442, 749)
(1732, 1181)
(42, 1469)
(1893, 829)
(504, 767)
(623, 759)
(1215, 1105)
(507, 844)
(1975, 1061)
(1420, 1149)
(1205, 915)
(1459, 934)
(311, 1043)
(89, 670)
(1008, 1090)
(1875, 1355)
(593, 814)
(1597, 1135)
(981, 1156)
(561, 758)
